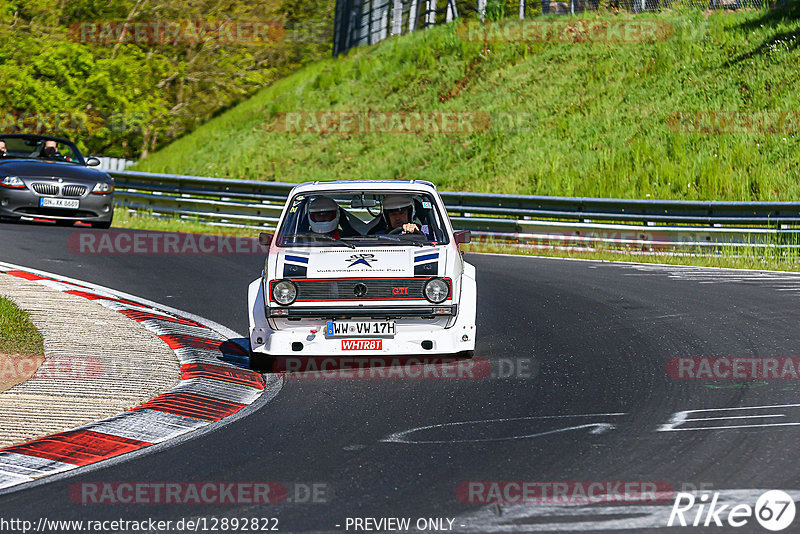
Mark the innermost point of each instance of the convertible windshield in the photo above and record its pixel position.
(358, 218)
(40, 148)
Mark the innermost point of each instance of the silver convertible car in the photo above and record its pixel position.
(47, 177)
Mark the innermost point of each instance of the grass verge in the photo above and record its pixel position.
(18, 335)
(748, 257)
(21, 346)
(145, 221)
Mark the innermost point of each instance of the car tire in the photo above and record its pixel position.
(258, 361)
(102, 225)
(466, 354)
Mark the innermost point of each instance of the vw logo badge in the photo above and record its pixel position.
(360, 290)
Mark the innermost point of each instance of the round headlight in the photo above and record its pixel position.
(436, 290)
(284, 292)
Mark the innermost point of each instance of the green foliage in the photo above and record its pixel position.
(124, 97)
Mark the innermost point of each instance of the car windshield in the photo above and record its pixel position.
(39, 148)
(358, 218)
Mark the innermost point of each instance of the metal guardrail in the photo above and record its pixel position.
(519, 219)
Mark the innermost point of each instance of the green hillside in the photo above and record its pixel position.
(576, 117)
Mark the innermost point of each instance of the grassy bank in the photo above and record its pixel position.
(567, 118)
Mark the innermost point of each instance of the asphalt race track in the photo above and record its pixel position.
(589, 399)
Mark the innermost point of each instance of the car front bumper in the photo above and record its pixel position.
(16, 203)
(310, 340)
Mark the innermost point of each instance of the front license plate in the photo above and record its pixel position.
(68, 203)
(360, 328)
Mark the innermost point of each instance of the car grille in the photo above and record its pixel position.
(350, 289)
(73, 190)
(45, 189)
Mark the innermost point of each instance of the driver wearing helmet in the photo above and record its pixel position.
(398, 214)
(323, 216)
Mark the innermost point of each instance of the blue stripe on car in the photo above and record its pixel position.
(299, 259)
(426, 257)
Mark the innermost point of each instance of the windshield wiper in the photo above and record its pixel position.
(321, 236)
(398, 239)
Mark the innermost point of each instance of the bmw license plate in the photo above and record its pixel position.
(67, 203)
(360, 328)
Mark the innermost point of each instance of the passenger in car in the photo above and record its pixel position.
(323, 217)
(2, 148)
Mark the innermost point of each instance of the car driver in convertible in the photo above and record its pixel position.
(50, 151)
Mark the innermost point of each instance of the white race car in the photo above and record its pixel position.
(363, 268)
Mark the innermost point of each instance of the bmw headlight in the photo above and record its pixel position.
(13, 182)
(103, 188)
(436, 290)
(284, 292)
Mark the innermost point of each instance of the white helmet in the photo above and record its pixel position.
(326, 211)
(394, 202)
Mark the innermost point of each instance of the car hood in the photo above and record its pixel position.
(361, 262)
(33, 168)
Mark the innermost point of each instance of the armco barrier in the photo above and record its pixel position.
(519, 219)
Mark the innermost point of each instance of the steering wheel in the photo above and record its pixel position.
(399, 229)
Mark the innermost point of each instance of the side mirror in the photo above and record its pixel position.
(463, 236)
(265, 238)
(92, 162)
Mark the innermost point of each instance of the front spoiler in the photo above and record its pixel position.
(408, 340)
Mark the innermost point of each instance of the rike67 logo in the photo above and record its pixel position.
(774, 510)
